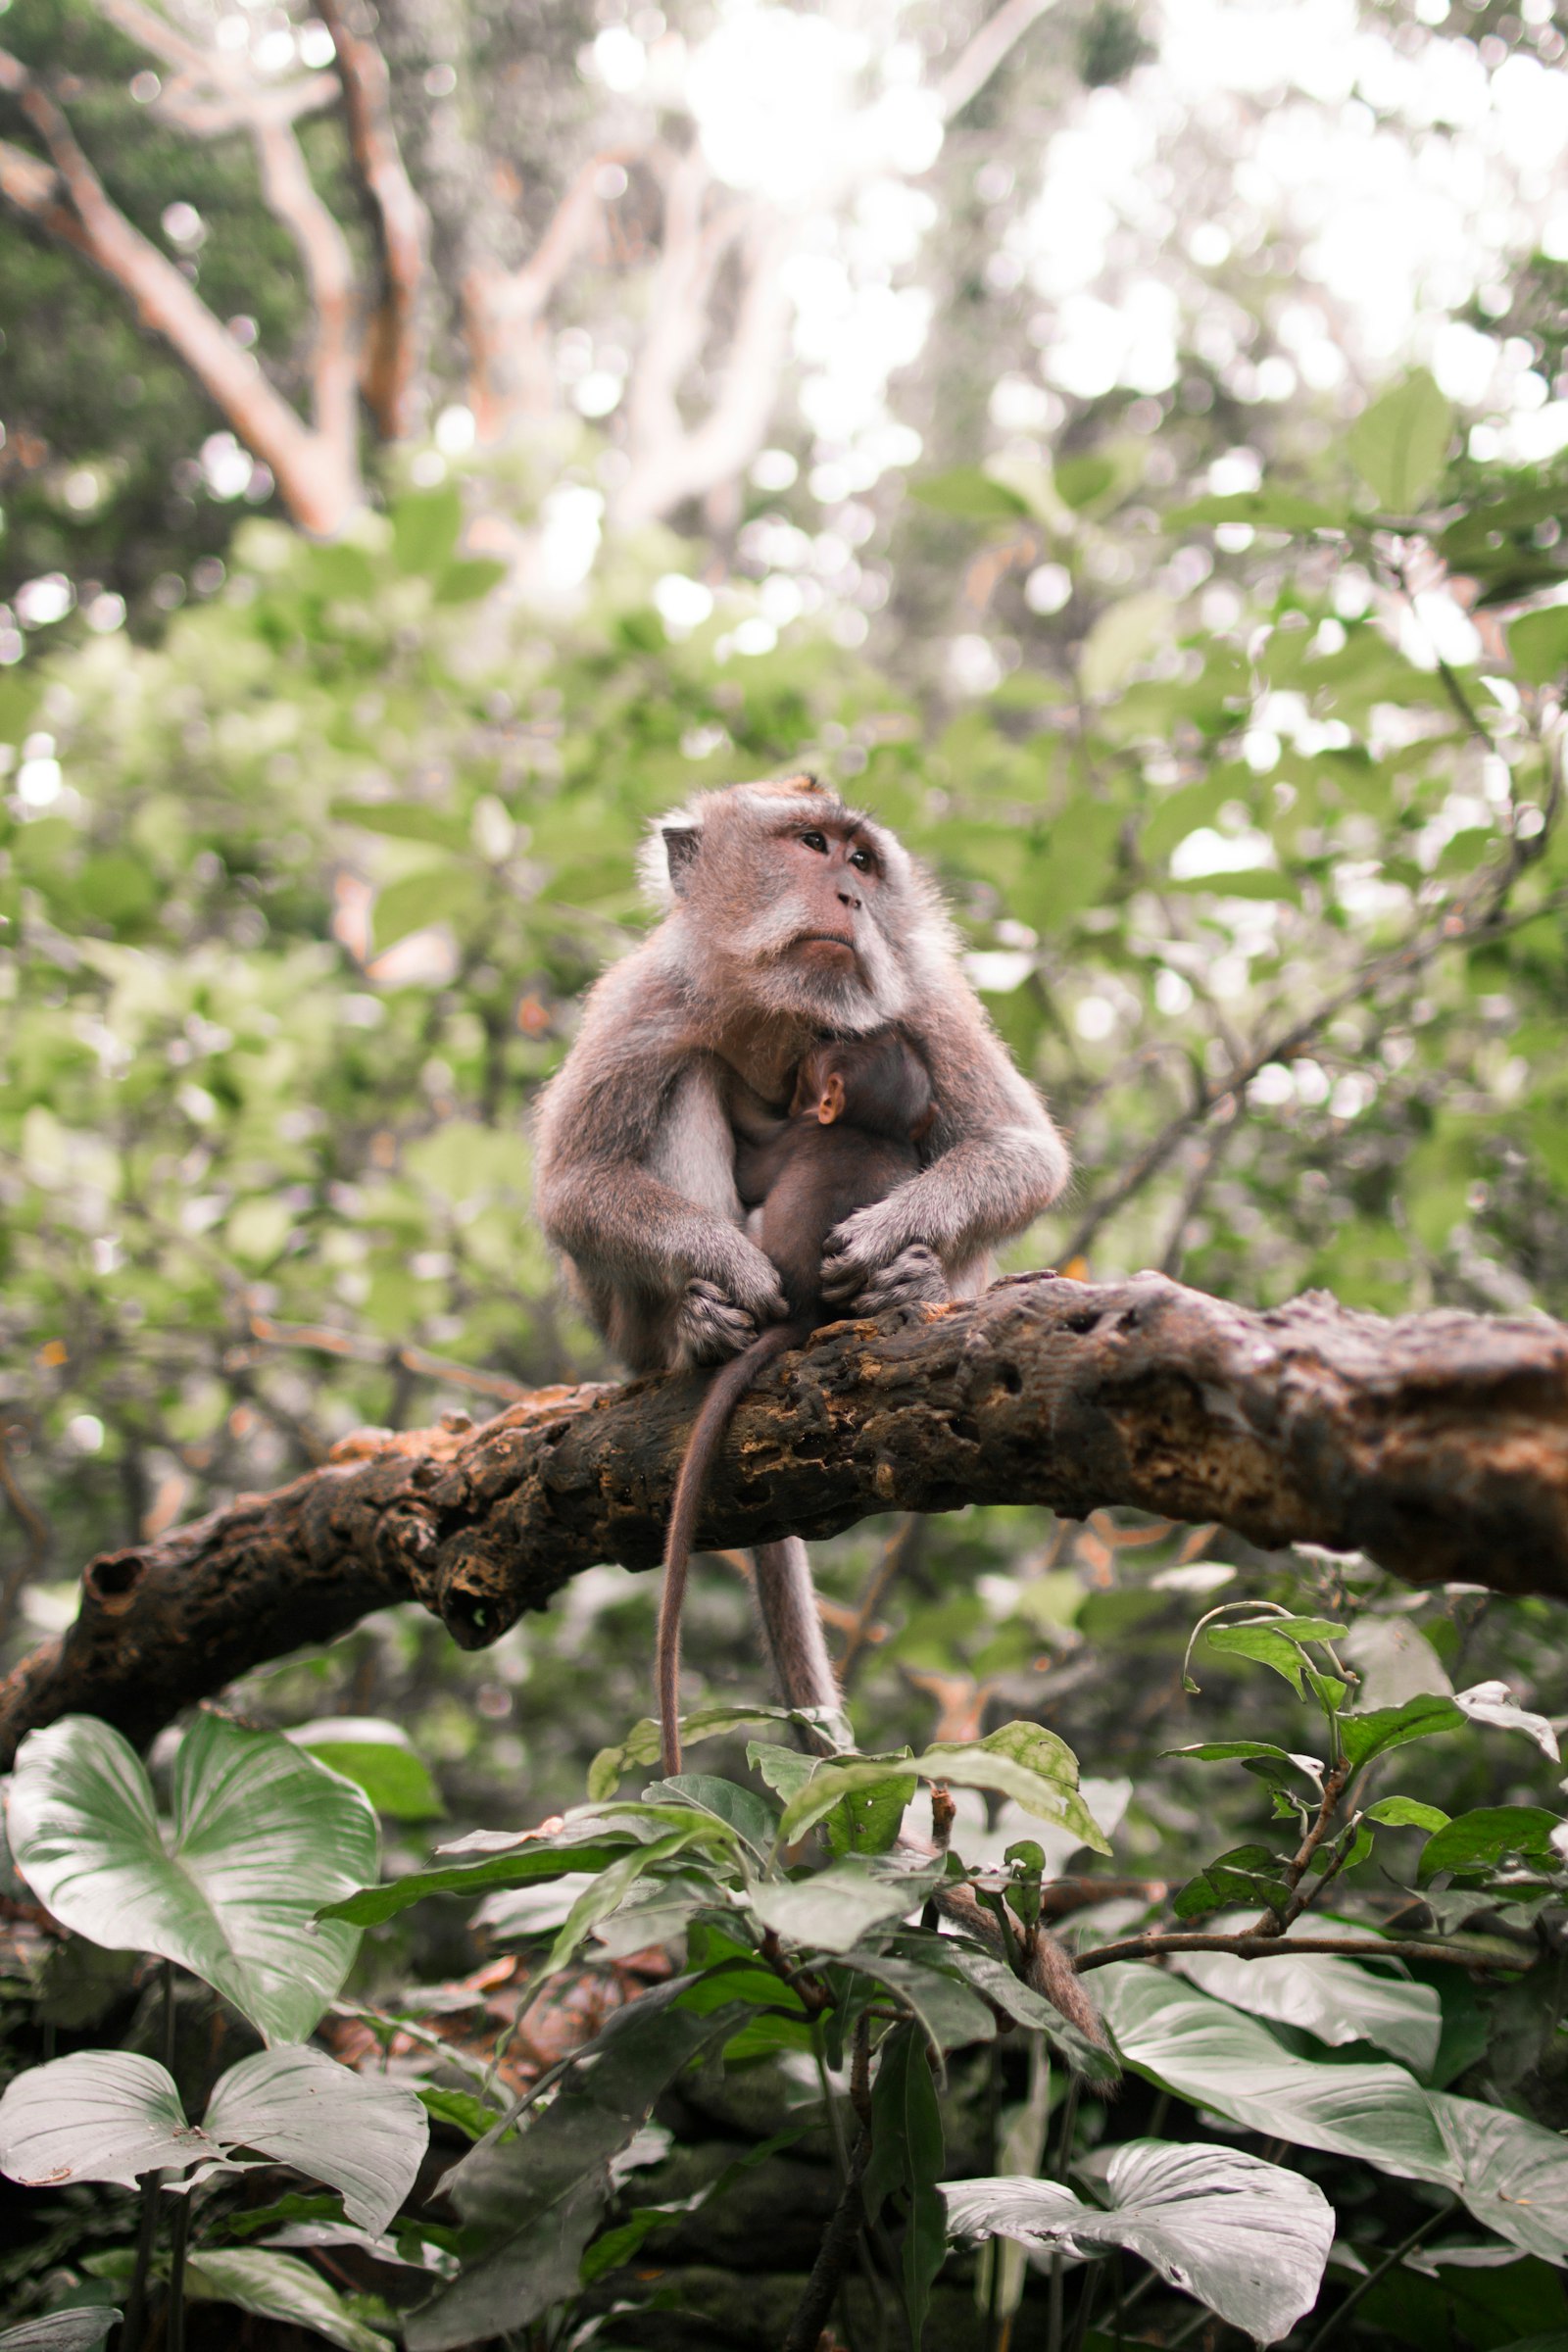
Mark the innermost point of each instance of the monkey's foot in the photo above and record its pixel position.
(709, 1327)
(914, 1277)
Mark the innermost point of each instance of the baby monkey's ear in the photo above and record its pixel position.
(830, 1101)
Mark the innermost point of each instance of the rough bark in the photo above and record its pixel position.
(1437, 1444)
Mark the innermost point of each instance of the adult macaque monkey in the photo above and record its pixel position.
(789, 916)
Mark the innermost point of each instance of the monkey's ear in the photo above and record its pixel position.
(830, 1102)
(681, 845)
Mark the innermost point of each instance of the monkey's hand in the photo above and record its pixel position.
(716, 1320)
(859, 1275)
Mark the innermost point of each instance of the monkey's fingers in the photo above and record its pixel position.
(709, 1327)
(915, 1279)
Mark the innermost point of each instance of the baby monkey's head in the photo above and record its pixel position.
(877, 1084)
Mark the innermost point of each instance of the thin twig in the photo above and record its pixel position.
(1252, 1947)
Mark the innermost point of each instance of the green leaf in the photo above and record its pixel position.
(998, 1985)
(1472, 1843)
(112, 2115)
(1399, 445)
(98, 2115)
(1336, 2000)
(278, 2286)
(1514, 2175)
(1212, 2056)
(430, 896)
(906, 2156)
(1265, 509)
(966, 491)
(1247, 1873)
(464, 583)
(742, 1810)
(262, 1839)
(1123, 636)
(1020, 1760)
(1405, 1813)
(614, 1881)
(1495, 1704)
(535, 2200)
(583, 1844)
(1538, 644)
(832, 1909)
(424, 528)
(868, 1821)
(934, 1994)
(1082, 482)
(405, 820)
(360, 2134)
(1275, 1641)
(1248, 2239)
(1364, 1736)
(60, 2331)
(379, 1758)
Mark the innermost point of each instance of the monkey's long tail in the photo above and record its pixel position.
(729, 1384)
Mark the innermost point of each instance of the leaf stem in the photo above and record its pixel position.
(1364, 2287)
(1254, 1946)
(179, 2237)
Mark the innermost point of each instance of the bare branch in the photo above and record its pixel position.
(510, 373)
(392, 352)
(968, 76)
(317, 475)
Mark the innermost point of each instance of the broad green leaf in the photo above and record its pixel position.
(1245, 2238)
(1020, 1760)
(278, 2286)
(1538, 644)
(1337, 2000)
(98, 2115)
(868, 1821)
(262, 1839)
(405, 820)
(644, 1742)
(1405, 1813)
(1275, 1641)
(833, 1908)
(427, 897)
(362, 2134)
(534, 2201)
(424, 528)
(947, 2012)
(612, 1884)
(1399, 445)
(907, 2154)
(1123, 636)
(1246, 1873)
(1215, 2057)
(379, 1758)
(1364, 1736)
(966, 491)
(1266, 509)
(466, 581)
(1514, 2175)
(998, 1985)
(60, 2331)
(583, 1846)
(1474, 1841)
(740, 1809)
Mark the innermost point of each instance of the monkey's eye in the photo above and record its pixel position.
(816, 841)
(861, 859)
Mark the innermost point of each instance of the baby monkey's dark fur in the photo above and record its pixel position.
(861, 1106)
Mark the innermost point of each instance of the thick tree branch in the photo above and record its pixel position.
(315, 473)
(974, 65)
(392, 350)
(510, 369)
(1439, 1444)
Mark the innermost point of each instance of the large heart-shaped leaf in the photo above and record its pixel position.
(1216, 2058)
(359, 2134)
(260, 1839)
(278, 2286)
(98, 2115)
(1336, 2000)
(1246, 2238)
(110, 2115)
(1513, 2173)
(60, 2331)
(380, 1757)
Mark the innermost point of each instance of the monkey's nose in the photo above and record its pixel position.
(849, 897)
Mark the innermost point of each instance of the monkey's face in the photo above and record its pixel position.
(817, 938)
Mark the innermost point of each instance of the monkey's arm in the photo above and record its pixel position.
(998, 1162)
(636, 1182)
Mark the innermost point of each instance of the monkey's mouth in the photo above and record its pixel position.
(825, 939)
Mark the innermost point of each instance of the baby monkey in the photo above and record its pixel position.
(859, 1110)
